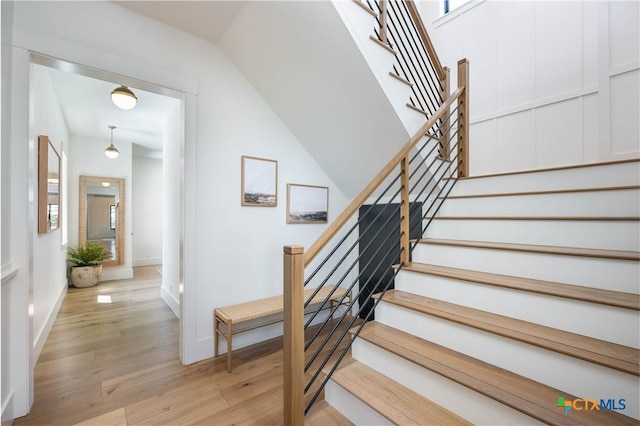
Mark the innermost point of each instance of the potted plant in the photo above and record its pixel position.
(87, 260)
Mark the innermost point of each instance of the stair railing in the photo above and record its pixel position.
(400, 28)
(411, 188)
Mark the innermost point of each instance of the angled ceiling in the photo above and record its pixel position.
(302, 60)
(300, 57)
(206, 19)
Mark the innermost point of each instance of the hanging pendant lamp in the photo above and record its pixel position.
(124, 98)
(111, 151)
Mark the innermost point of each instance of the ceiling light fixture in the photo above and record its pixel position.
(124, 98)
(111, 151)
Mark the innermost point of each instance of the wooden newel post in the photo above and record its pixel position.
(293, 303)
(463, 118)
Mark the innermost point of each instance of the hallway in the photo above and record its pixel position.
(117, 364)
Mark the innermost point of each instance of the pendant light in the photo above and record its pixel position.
(124, 98)
(111, 151)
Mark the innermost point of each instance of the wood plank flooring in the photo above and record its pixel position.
(117, 364)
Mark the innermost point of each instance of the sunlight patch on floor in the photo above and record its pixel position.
(104, 298)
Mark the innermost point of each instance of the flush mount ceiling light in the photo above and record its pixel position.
(123, 97)
(111, 151)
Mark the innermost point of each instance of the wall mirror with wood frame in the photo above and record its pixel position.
(102, 214)
(48, 186)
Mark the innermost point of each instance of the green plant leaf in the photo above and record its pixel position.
(90, 253)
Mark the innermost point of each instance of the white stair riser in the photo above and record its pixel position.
(350, 406)
(456, 398)
(610, 274)
(622, 326)
(608, 235)
(605, 176)
(563, 372)
(618, 203)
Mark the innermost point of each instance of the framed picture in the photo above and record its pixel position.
(307, 203)
(259, 182)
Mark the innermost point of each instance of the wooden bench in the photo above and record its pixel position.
(268, 309)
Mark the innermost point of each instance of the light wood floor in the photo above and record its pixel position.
(117, 364)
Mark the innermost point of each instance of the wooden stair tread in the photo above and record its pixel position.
(392, 400)
(322, 414)
(527, 396)
(366, 8)
(612, 355)
(546, 192)
(417, 109)
(552, 169)
(585, 294)
(383, 45)
(401, 79)
(557, 250)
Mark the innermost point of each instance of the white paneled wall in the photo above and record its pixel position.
(551, 83)
(625, 110)
(624, 35)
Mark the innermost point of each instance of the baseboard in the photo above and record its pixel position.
(171, 301)
(43, 333)
(7, 410)
(147, 261)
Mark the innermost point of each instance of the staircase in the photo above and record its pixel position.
(520, 302)
(520, 306)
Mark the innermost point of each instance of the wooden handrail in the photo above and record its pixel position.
(350, 210)
(426, 40)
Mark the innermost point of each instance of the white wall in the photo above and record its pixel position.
(49, 282)
(232, 253)
(551, 83)
(16, 323)
(86, 157)
(147, 211)
(172, 210)
(5, 382)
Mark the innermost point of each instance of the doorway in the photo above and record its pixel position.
(84, 155)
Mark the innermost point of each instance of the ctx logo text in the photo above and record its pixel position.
(580, 404)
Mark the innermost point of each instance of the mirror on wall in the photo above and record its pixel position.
(48, 186)
(102, 214)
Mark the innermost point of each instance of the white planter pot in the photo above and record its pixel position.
(85, 276)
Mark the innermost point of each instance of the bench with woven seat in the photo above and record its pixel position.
(263, 312)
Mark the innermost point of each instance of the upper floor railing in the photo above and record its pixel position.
(416, 61)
